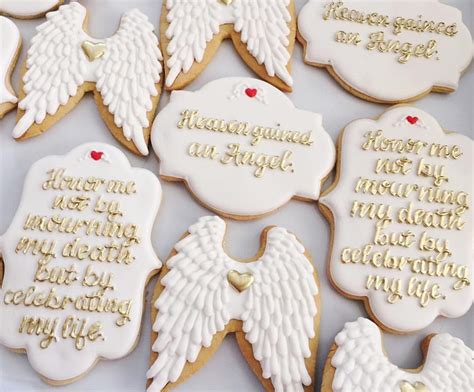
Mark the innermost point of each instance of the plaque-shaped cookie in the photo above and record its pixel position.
(241, 147)
(77, 257)
(384, 50)
(401, 218)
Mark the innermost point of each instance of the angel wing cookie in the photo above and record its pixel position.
(360, 364)
(271, 303)
(262, 31)
(10, 47)
(64, 63)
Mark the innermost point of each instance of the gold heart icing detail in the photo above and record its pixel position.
(241, 282)
(406, 386)
(93, 50)
(227, 2)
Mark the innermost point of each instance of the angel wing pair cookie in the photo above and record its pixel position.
(263, 33)
(271, 303)
(64, 63)
(357, 362)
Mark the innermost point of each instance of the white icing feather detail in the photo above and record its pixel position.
(278, 309)
(263, 26)
(192, 306)
(192, 24)
(126, 75)
(361, 364)
(279, 316)
(56, 65)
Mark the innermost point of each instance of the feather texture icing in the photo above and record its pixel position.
(263, 27)
(56, 66)
(361, 364)
(192, 24)
(192, 306)
(126, 75)
(197, 302)
(262, 24)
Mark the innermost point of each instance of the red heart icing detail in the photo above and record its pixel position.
(251, 92)
(96, 155)
(412, 120)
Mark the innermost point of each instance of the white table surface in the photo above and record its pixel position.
(314, 90)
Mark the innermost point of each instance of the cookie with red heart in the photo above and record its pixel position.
(76, 259)
(404, 186)
(241, 147)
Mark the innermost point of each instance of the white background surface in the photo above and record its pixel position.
(314, 90)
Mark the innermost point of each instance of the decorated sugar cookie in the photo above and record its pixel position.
(241, 147)
(357, 362)
(123, 72)
(404, 186)
(27, 9)
(263, 33)
(77, 257)
(10, 49)
(384, 50)
(271, 303)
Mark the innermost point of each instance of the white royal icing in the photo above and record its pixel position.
(361, 364)
(125, 76)
(61, 360)
(413, 254)
(380, 75)
(11, 40)
(197, 302)
(227, 187)
(262, 24)
(27, 8)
